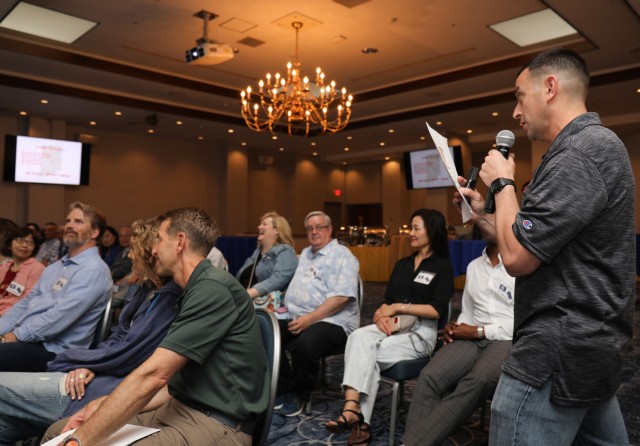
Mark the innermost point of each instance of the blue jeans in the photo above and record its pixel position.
(29, 403)
(524, 415)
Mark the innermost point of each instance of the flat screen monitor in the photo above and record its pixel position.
(46, 161)
(424, 169)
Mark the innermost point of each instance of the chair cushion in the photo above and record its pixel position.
(403, 370)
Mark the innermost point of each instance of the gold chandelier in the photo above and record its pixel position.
(295, 103)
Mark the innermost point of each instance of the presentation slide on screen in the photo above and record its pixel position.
(428, 170)
(40, 160)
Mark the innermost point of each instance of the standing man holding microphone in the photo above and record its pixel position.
(570, 247)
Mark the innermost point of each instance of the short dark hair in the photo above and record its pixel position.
(201, 230)
(557, 60)
(22, 233)
(436, 226)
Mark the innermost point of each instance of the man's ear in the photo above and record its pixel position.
(95, 234)
(551, 86)
(181, 239)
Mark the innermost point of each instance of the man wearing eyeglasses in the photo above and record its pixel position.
(323, 311)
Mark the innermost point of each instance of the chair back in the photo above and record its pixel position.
(360, 293)
(270, 331)
(102, 330)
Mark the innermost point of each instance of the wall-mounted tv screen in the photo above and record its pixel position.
(424, 169)
(47, 161)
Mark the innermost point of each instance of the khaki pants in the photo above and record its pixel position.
(179, 425)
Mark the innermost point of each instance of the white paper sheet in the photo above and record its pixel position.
(443, 149)
(124, 436)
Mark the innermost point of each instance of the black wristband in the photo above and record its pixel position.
(500, 183)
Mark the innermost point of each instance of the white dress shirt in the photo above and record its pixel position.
(488, 298)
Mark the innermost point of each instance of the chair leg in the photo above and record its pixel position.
(397, 390)
(307, 406)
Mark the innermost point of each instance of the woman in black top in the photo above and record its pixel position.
(417, 295)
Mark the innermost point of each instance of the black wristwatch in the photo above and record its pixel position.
(499, 183)
(72, 441)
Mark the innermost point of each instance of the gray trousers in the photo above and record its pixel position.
(459, 377)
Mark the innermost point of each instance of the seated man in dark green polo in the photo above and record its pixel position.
(208, 381)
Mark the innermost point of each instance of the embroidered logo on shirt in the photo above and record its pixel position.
(527, 224)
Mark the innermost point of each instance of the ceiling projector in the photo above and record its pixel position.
(209, 53)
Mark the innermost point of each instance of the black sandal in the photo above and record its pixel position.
(360, 436)
(342, 425)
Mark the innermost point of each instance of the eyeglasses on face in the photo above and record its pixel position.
(316, 228)
(24, 241)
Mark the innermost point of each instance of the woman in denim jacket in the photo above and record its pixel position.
(272, 264)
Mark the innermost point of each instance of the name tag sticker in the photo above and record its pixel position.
(505, 293)
(15, 288)
(312, 272)
(424, 277)
(60, 283)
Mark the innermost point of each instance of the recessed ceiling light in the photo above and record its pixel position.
(638, 90)
(495, 114)
(313, 144)
(281, 149)
(422, 138)
(469, 131)
(386, 158)
(46, 23)
(151, 131)
(23, 113)
(382, 144)
(438, 122)
(44, 101)
(346, 149)
(118, 113)
(534, 28)
(349, 138)
(243, 143)
(230, 130)
(200, 138)
(92, 122)
(344, 163)
(315, 153)
(274, 137)
(178, 122)
(391, 131)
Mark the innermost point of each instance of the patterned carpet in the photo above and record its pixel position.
(327, 399)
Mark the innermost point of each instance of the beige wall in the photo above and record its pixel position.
(139, 176)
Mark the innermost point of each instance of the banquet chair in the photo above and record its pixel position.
(270, 331)
(407, 370)
(102, 330)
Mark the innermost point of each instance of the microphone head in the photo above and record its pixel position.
(505, 138)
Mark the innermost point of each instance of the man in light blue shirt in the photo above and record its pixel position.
(323, 310)
(64, 308)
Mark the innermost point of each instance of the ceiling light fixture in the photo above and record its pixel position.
(296, 103)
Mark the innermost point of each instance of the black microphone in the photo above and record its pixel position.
(504, 142)
(473, 177)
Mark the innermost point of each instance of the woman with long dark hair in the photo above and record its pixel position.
(405, 325)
